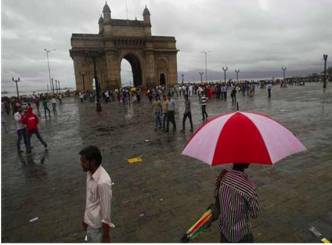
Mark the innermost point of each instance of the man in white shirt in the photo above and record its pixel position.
(97, 215)
(53, 102)
(21, 131)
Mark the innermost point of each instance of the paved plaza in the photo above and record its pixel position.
(159, 199)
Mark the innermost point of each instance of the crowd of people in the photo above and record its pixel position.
(26, 121)
(163, 103)
(162, 99)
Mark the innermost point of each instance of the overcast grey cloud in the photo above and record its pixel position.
(252, 35)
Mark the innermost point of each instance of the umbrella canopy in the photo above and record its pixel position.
(242, 137)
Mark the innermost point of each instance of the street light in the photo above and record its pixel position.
(205, 53)
(284, 68)
(325, 77)
(48, 64)
(16, 81)
(94, 55)
(57, 85)
(201, 74)
(225, 68)
(59, 88)
(237, 74)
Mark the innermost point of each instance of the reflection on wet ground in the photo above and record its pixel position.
(158, 199)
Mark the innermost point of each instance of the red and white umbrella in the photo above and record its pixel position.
(242, 137)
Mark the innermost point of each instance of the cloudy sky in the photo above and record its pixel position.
(252, 35)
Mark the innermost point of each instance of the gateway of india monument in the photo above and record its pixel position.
(152, 58)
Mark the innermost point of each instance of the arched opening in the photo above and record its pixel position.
(131, 72)
(162, 79)
(162, 70)
(126, 74)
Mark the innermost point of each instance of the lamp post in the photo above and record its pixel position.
(325, 77)
(284, 68)
(201, 74)
(56, 86)
(237, 74)
(16, 81)
(52, 85)
(182, 75)
(225, 68)
(205, 53)
(94, 55)
(48, 65)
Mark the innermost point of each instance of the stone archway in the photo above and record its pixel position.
(152, 58)
(136, 67)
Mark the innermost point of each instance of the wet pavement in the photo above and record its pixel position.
(159, 199)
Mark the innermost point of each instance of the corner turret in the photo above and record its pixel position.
(107, 20)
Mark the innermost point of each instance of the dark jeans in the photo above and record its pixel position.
(204, 113)
(185, 115)
(269, 92)
(37, 105)
(21, 133)
(157, 116)
(171, 118)
(36, 132)
(233, 99)
(164, 120)
(249, 238)
(54, 108)
(49, 112)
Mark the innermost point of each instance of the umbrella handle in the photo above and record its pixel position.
(185, 238)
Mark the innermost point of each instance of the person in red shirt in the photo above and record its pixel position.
(31, 122)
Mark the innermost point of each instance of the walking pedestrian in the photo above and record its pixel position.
(238, 203)
(45, 106)
(60, 98)
(164, 110)
(171, 113)
(157, 109)
(97, 214)
(35, 99)
(203, 101)
(31, 122)
(138, 95)
(21, 131)
(53, 102)
(187, 113)
(233, 95)
(269, 88)
(81, 94)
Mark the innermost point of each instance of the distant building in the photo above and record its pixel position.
(153, 58)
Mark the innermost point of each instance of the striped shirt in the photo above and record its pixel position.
(238, 203)
(204, 100)
(98, 199)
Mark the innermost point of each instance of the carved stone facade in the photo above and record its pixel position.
(152, 58)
